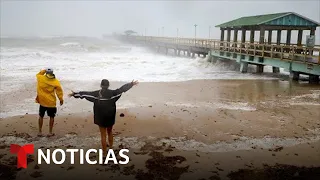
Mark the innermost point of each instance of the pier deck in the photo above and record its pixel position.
(296, 58)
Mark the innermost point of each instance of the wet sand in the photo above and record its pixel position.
(202, 129)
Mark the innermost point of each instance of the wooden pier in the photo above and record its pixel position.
(296, 58)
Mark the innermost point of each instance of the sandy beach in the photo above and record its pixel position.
(200, 129)
(227, 90)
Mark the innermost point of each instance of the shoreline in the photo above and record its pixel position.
(12, 104)
(210, 129)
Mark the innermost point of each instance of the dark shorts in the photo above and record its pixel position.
(51, 111)
(104, 120)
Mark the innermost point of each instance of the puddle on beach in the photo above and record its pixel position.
(245, 95)
(216, 105)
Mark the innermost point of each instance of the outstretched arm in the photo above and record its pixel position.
(124, 88)
(91, 96)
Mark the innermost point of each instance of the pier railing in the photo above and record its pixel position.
(299, 53)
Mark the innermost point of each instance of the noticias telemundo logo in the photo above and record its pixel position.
(60, 156)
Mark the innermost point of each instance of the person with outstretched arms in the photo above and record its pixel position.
(104, 108)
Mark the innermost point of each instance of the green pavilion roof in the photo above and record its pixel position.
(282, 19)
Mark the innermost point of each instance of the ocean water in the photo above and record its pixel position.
(83, 59)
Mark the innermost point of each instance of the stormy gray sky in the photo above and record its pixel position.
(94, 18)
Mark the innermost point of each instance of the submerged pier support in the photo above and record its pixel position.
(313, 79)
(244, 67)
(212, 59)
(294, 75)
(275, 70)
(259, 68)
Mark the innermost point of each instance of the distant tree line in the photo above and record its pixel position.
(129, 32)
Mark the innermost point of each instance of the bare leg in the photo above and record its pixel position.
(103, 139)
(110, 137)
(51, 126)
(40, 123)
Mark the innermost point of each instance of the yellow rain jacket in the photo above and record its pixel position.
(47, 88)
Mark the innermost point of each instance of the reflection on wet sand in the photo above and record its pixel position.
(223, 125)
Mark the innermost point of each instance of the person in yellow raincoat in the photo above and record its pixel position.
(48, 86)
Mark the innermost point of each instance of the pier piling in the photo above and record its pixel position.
(244, 67)
(295, 75)
(313, 79)
(275, 70)
(259, 68)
